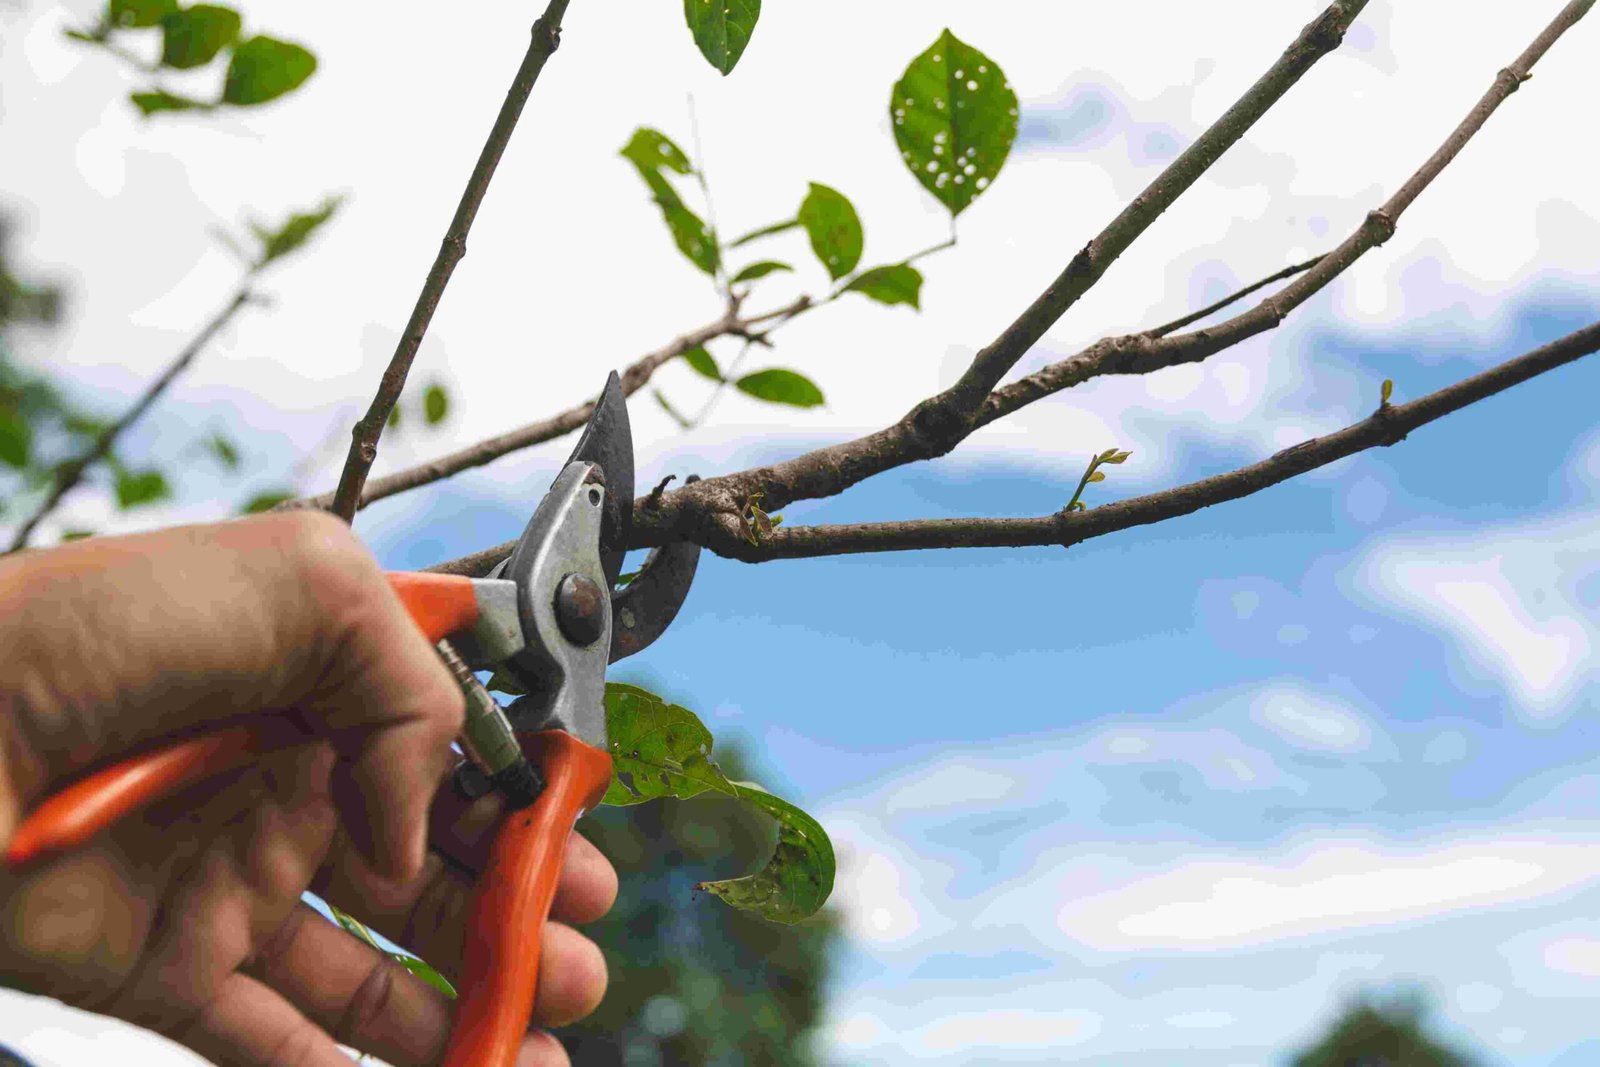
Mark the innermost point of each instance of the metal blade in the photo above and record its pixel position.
(608, 441)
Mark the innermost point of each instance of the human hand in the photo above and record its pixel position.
(188, 919)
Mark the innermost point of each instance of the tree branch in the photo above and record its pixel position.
(633, 379)
(1386, 426)
(937, 425)
(1231, 298)
(69, 474)
(1142, 353)
(546, 35)
(956, 405)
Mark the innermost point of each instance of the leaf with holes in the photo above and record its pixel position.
(722, 28)
(435, 405)
(192, 37)
(263, 69)
(954, 118)
(778, 386)
(834, 228)
(138, 488)
(663, 750)
(898, 283)
(698, 358)
(760, 270)
(650, 149)
(689, 232)
(796, 882)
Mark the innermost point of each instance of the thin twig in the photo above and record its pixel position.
(574, 418)
(546, 35)
(1231, 298)
(69, 474)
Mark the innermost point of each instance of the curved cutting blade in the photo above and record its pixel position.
(608, 441)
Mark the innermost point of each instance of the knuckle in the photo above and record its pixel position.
(367, 1006)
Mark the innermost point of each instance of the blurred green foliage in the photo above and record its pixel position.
(1376, 1031)
(694, 982)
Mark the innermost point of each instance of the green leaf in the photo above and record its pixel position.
(1388, 391)
(264, 68)
(393, 421)
(16, 438)
(435, 405)
(722, 28)
(192, 37)
(76, 535)
(898, 283)
(796, 882)
(698, 358)
(661, 398)
(766, 231)
(295, 231)
(157, 101)
(692, 236)
(954, 118)
(1096, 476)
(650, 149)
(266, 501)
(226, 452)
(663, 750)
(834, 228)
(354, 926)
(760, 270)
(426, 973)
(137, 488)
(134, 14)
(779, 386)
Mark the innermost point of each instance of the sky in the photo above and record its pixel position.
(1175, 791)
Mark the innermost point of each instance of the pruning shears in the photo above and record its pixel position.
(551, 618)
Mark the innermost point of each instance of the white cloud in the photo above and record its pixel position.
(1201, 1020)
(1320, 887)
(1475, 998)
(1311, 721)
(957, 783)
(1574, 955)
(1509, 596)
(1006, 1028)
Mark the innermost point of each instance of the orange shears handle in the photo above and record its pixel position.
(441, 604)
(505, 927)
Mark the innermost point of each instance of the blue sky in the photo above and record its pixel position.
(1165, 795)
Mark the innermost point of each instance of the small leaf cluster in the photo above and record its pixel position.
(256, 69)
(754, 524)
(1094, 474)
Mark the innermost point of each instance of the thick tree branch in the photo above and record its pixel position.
(69, 474)
(958, 403)
(1142, 353)
(1386, 426)
(730, 324)
(546, 35)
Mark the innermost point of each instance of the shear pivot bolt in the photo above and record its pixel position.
(580, 609)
